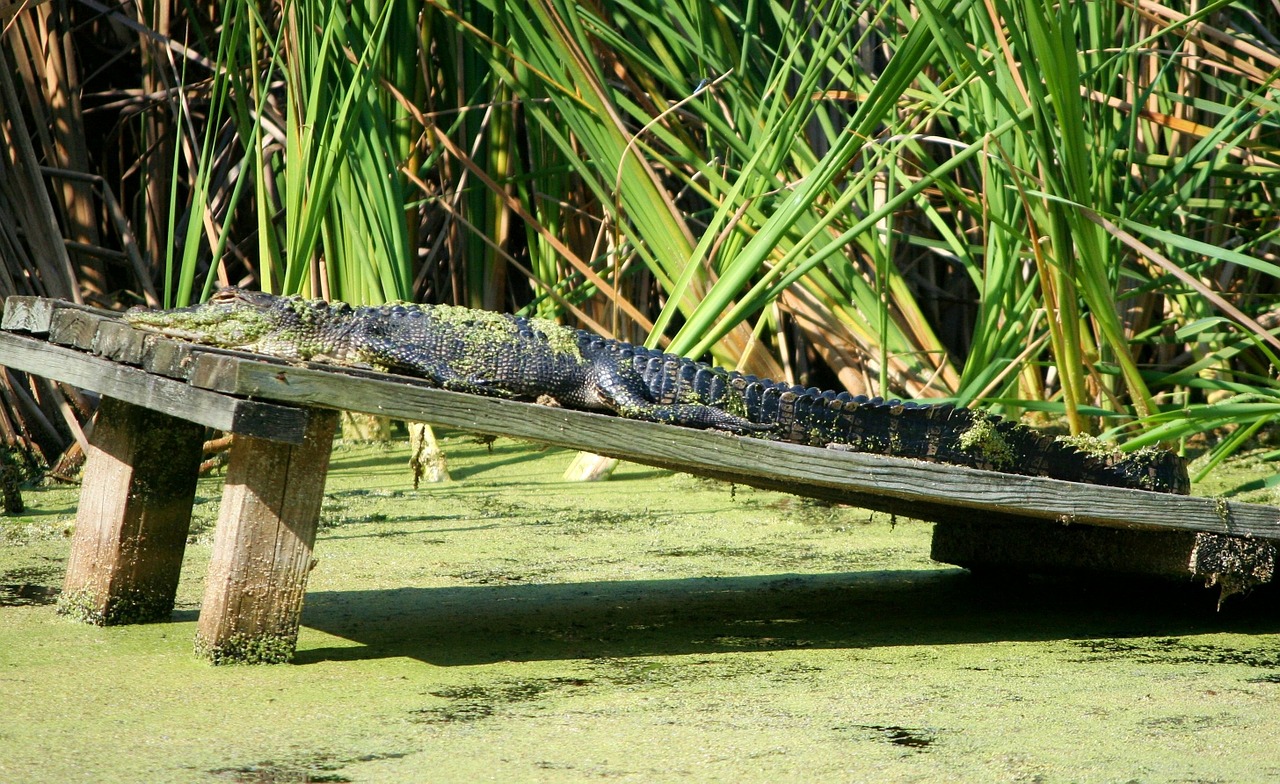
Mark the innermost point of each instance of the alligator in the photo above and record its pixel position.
(502, 355)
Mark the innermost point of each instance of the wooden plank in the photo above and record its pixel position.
(119, 342)
(105, 334)
(75, 328)
(219, 411)
(102, 333)
(1044, 546)
(919, 489)
(262, 547)
(170, 358)
(134, 515)
(153, 352)
(35, 314)
(907, 487)
(27, 314)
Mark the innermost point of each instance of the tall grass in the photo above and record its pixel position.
(305, 96)
(994, 133)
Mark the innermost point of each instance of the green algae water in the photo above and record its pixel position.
(511, 627)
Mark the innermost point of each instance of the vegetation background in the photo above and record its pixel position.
(1063, 211)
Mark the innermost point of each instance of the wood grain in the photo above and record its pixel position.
(27, 314)
(74, 328)
(35, 314)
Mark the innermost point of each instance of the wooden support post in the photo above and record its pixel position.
(262, 547)
(134, 516)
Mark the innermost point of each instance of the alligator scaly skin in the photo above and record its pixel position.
(937, 432)
(534, 359)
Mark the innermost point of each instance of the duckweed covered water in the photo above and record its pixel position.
(511, 627)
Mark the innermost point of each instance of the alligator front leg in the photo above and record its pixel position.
(414, 360)
(627, 398)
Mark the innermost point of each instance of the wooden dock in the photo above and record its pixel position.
(160, 394)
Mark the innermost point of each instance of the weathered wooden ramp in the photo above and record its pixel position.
(128, 541)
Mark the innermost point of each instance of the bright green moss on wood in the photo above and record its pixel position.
(83, 606)
(88, 606)
(277, 648)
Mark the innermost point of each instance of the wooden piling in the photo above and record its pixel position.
(134, 516)
(262, 546)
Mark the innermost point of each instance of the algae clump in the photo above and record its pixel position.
(87, 606)
(984, 438)
(249, 649)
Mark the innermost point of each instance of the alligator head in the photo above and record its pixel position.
(286, 327)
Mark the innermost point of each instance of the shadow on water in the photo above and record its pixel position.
(26, 595)
(30, 586)
(483, 624)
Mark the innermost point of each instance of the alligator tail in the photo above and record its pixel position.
(948, 434)
(937, 432)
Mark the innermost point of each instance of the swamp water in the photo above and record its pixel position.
(511, 627)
